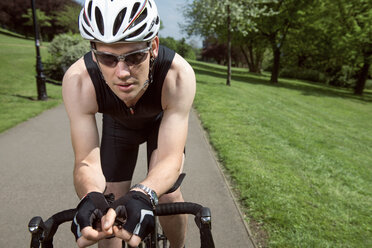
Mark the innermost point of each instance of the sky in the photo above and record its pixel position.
(170, 12)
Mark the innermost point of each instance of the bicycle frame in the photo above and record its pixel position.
(154, 238)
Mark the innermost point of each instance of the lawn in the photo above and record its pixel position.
(298, 153)
(18, 92)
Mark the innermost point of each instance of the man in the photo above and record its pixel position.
(145, 92)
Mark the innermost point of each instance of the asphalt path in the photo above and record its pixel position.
(36, 161)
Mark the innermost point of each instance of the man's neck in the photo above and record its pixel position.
(132, 103)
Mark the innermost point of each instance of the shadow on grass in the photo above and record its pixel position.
(15, 35)
(30, 98)
(307, 88)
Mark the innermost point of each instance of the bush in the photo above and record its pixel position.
(368, 84)
(343, 77)
(64, 50)
(180, 47)
(302, 73)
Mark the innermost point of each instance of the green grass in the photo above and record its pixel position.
(300, 155)
(18, 93)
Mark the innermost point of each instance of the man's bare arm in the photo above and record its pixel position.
(178, 95)
(80, 102)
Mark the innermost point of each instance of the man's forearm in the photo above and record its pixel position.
(88, 179)
(162, 177)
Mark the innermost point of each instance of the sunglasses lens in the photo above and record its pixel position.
(112, 60)
(135, 58)
(108, 60)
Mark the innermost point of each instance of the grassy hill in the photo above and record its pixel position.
(18, 93)
(299, 155)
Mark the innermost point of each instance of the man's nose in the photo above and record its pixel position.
(122, 69)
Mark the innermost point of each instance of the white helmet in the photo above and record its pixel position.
(110, 21)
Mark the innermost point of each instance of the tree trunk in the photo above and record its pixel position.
(275, 70)
(259, 59)
(254, 60)
(228, 81)
(249, 63)
(362, 77)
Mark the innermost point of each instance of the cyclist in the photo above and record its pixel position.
(145, 92)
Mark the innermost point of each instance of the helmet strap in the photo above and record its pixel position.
(152, 61)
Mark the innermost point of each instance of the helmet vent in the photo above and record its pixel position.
(86, 20)
(134, 10)
(118, 21)
(148, 36)
(99, 21)
(140, 18)
(87, 32)
(137, 32)
(90, 10)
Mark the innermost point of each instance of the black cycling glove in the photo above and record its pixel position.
(89, 212)
(136, 207)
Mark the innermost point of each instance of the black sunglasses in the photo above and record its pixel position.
(132, 58)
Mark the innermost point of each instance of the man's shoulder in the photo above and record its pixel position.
(77, 85)
(181, 66)
(179, 85)
(75, 70)
(77, 75)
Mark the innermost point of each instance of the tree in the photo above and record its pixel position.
(228, 81)
(333, 38)
(11, 15)
(221, 19)
(252, 47)
(275, 27)
(355, 16)
(208, 18)
(179, 46)
(211, 51)
(68, 18)
(42, 19)
(169, 42)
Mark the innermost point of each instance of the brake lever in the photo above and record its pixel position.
(36, 227)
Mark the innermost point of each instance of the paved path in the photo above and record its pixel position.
(36, 161)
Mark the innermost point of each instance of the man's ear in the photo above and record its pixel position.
(155, 46)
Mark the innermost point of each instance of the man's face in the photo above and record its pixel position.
(125, 78)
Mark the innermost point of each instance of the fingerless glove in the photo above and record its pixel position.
(89, 212)
(139, 213)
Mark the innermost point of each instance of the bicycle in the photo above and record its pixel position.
(42, 233)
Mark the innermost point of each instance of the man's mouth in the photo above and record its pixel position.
(125, 86)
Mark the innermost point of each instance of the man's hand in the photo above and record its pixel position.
(137, 209)
(87, 226)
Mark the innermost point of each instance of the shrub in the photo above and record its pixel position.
(343, 77)
(64, 50)
(303, 73)
(180, 47)
(369, 84)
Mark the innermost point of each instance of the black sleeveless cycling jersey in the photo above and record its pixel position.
(147, 109)
(122, 131)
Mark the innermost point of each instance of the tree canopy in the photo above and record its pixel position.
(15, 16)
(325, 37)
